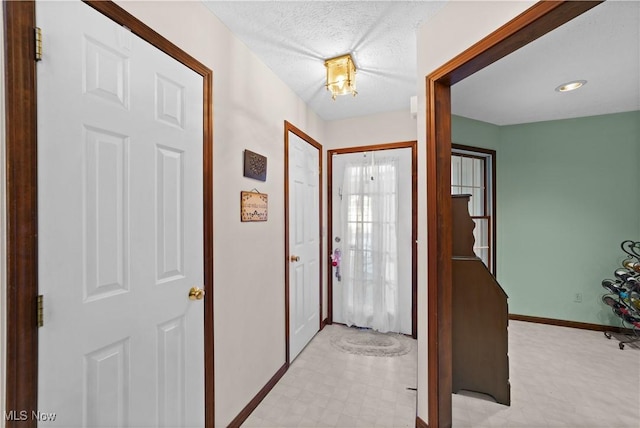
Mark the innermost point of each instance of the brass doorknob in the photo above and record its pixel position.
(295, 258)
(196, 293)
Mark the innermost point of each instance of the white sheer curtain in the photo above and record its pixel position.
(370, 249)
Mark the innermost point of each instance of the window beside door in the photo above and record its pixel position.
(473, 173)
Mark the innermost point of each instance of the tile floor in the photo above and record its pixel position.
(560, 377)
(326, 387)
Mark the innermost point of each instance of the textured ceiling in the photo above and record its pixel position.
(294, 38)
(601, 46)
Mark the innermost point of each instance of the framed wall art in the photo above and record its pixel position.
(253, 206)
(255, 165)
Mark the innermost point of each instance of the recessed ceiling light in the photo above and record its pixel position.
(571, 86)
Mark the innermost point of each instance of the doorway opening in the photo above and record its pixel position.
(372, 227)
(538, 20)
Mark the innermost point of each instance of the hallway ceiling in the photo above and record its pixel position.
(293, 38)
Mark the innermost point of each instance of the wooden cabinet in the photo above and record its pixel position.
(480, 316)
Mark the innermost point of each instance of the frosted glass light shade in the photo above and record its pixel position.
(341, 76)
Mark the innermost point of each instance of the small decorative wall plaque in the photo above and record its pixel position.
(253, 206)
(255, 165)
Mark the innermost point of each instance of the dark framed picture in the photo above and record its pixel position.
(255, 165)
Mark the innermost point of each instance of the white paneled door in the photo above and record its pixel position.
(304, 244)
(120, 227)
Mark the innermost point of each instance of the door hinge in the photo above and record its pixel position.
(38, 40)
(40, 310)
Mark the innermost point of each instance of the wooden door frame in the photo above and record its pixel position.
(22, 198)
(288, 127)
(535, 22)
(413, 145)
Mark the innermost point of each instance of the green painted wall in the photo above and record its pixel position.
(568, 193)
(470, 132)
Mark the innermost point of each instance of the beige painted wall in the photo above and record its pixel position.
(391, 127)
(457, 26)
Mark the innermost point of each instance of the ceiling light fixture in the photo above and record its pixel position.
(571, 86)
(341, 76)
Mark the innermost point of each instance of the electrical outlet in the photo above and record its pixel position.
(577, 298)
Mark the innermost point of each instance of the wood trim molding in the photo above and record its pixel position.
(413, 145)
(209, 342)
(22, 211)
(414, 241)
(373, 148)
(287, 309)
(473, 149)
(439, 365)
(420, 423)
(289, 127)
(255, 401)
(22, 263)
(329, 237)
(570, 324)
(325, 322)
(536, 21)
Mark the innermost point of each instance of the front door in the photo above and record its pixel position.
(120, 227)
(372, 227)
(304, 243)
